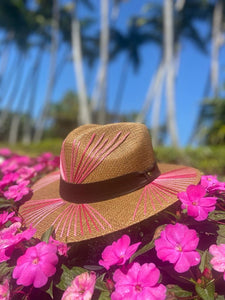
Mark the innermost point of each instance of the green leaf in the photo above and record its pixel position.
(205, 258)
(5, 269)
(220, 297)
(206, 293)
(217, 215)
(178, 291)
(50, 290)
(46, 235)
(143, 250)
(100, 285)
(5, 203)
(104, 296)
(221, 235)
(68, 275)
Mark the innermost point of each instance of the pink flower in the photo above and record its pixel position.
(118, 253)
(16, 192)
(218, 260)
(36, 265)
(5, 152)
(45, 157)
(25, 173)
(62, 248)
(196, 204)
(39, 167)
(9, 237)
(4, 290)
(14, 163)
(5, 217)
(177, 244)
(81, 288)
(49, 161)
(140, 282)
(7, 179)
(211, 184)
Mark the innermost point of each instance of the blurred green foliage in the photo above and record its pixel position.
(208, 159)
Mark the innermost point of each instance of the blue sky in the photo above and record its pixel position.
(193, 72)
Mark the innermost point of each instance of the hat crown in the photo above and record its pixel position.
(94, 153)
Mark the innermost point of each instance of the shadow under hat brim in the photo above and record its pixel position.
(77, 222)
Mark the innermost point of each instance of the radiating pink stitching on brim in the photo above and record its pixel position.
(42, 212)
(94, 211)
(91, 218)
(165, 186)
(86, 219)
(60, 218)
(46, 181)
(80, 217)
(71, 218)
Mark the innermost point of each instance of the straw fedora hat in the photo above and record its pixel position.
(108, 180)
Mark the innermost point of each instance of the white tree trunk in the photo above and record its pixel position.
(4, 61)
(14, 129)
(217, 41)
(29, 110)
(170, 75)
(100, 90)
(84, 116)
(156, 107)
(12, 95)
(154, 84)
(52, 72)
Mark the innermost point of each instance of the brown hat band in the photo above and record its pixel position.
(107, 189)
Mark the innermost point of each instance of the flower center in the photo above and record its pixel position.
(138, 287)
(35, 261)
(82, 291)
(178, 248)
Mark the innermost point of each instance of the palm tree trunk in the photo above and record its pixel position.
(99, 97)
(84, 112)
(52, 72)
(12, 96)
(217, 41)
(155, 82)
(121, 87)
(4, 61)
(170, 75)
(9, 77)
(156, 107)
(29, 112)
(104, 56)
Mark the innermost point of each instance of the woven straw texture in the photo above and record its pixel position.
(92, 153)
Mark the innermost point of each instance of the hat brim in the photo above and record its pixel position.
(77, 222)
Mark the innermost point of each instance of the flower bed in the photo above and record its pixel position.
(177, 254)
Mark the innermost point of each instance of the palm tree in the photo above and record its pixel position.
(84, 111)
(184, 19)
(104, 57)
(130, 44)
(218, 22)
(52, 70)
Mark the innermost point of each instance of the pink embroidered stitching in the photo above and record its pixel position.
(165, 185)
